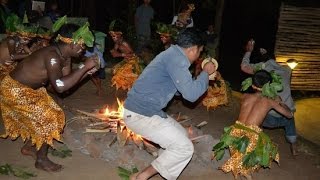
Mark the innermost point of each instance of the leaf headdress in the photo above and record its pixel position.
(16, 27)
(82, 35)
(116, 27)
(269, 89)
(167, 30)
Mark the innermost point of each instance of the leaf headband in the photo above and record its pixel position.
(269, 89)
(167, 30)
(80, 36)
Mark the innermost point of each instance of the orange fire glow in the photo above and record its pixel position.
(112, 113)
(118, 115)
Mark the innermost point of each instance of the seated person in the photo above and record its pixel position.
(127, 71)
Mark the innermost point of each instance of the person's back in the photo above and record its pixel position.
(164, 76)
(36, 61)
(254, 107)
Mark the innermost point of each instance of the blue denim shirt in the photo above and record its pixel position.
(161, 79)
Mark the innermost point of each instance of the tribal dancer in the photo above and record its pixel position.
(249, 147)
(27, 109)
(15, 46)
(168, 34)
(127, 71)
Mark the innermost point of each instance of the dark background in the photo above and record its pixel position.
(241, 20)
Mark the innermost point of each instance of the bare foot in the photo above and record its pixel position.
(47, 165)
(134, 176)
(28, 150)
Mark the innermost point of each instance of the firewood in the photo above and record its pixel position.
(113, 141)
(122, 135)
(88, 130)
(98, 123)
(92, 115)
(198, 137)
(200, 125)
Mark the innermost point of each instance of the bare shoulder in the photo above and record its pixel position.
(250, 96)
(48, 53)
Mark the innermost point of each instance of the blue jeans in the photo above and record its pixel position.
(288, 125)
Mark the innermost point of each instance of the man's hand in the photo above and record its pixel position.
(250, 45)
(263, 51)
(209, 67)
(91, 71)
(91, 62)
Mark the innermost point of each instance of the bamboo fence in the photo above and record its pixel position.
(298, 37)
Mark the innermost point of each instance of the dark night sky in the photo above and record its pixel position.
(242, 19)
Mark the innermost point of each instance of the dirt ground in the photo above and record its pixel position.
(306, 166)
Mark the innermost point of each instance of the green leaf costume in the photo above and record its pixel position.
(249, 147)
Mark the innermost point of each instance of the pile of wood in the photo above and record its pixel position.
(102, 123)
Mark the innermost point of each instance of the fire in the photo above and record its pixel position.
(115, 114)
(118, 115)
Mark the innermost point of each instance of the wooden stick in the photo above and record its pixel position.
(98, 123)
(198, 137)
(113, 141)
(183, 121)
(88, 130)
(94, 116)
(178, 116)
(203, 123)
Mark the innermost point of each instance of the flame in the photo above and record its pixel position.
(118, 113)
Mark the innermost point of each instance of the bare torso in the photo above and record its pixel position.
(254, 108)
(32, 71)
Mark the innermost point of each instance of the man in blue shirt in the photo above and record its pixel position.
(158, 83)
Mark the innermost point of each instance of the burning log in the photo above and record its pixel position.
(111, 121)
(122, 135)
